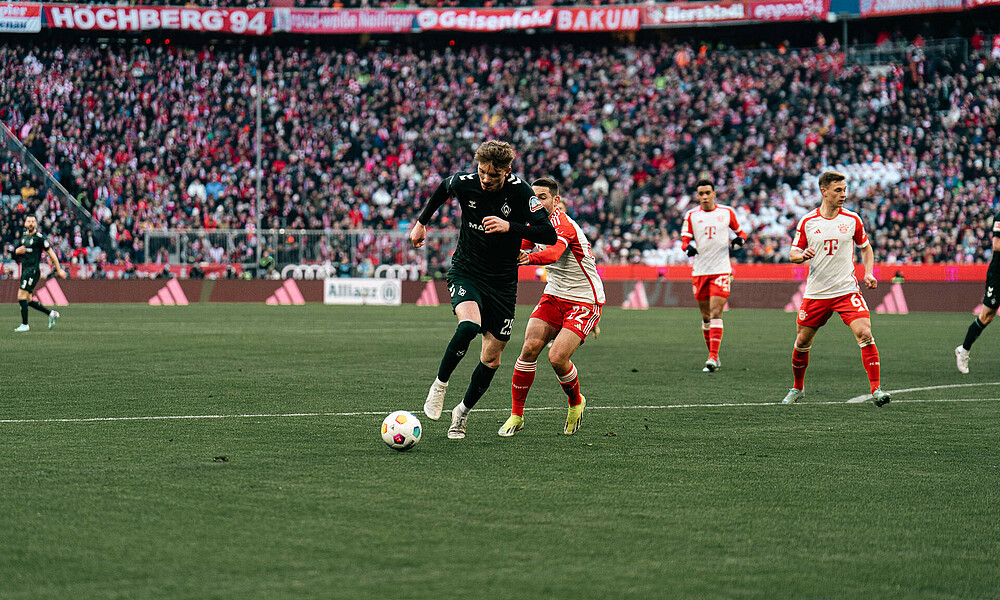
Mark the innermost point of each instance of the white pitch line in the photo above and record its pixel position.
(866, 397)
(537, 408)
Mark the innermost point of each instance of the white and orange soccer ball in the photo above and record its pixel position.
(401, 430)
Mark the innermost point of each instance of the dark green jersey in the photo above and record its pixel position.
(993, 272)
(35, 246)
(492, 257)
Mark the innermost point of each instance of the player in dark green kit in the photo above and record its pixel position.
(991, 301)
(499, 209)
(30, 250)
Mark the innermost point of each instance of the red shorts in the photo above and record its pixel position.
(578, 317)
(706, 286)
(815, 313)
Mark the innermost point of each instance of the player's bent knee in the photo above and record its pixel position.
(493, 363)
(559, 361)
(531, 350)
(468, 330)
(561, 367)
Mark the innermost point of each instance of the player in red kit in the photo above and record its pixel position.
(827, 237)
(568, 311)
(706, 238)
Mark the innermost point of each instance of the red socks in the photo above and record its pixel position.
(571, 385)
(869, 357)
(706, 328)
(800, 360)
(524, 376)
(714, 338)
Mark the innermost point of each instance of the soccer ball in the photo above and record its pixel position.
(401, 430)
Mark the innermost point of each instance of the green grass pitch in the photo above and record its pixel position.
(819, 500)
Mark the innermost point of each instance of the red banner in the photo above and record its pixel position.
(149, 270)
(20, 18)
(789, 10)
(882, 8)
(599, 19)
(343, 21)
(693, 13)
(247, 21)
(970, 4)
(484, 19)
(698, 13)
(780, 272)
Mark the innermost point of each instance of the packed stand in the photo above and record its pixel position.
(22, 194)
(164, 138)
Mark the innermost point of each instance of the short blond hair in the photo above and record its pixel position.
(830, 177)
(496, 153)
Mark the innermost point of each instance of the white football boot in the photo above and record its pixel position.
(793, 396)
(962, 358)
(435, 400)
(458, 420)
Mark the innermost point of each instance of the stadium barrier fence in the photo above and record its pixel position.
(892, 298)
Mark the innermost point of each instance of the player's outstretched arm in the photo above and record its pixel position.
(550, 255)
(55, 261)
(419, 232)
(539, 233)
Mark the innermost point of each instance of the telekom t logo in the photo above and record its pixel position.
(830, 246)
(710, 232)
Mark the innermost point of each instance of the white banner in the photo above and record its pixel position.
(20, 18)
(351, 290)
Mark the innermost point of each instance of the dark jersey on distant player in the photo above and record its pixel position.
(994, 269)
(35, 246)
(492, 257)
(992, 296)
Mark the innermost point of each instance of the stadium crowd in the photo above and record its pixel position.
(156, 138)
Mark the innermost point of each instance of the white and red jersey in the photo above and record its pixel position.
(569, 262)
(710, 232)
(831, 271)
